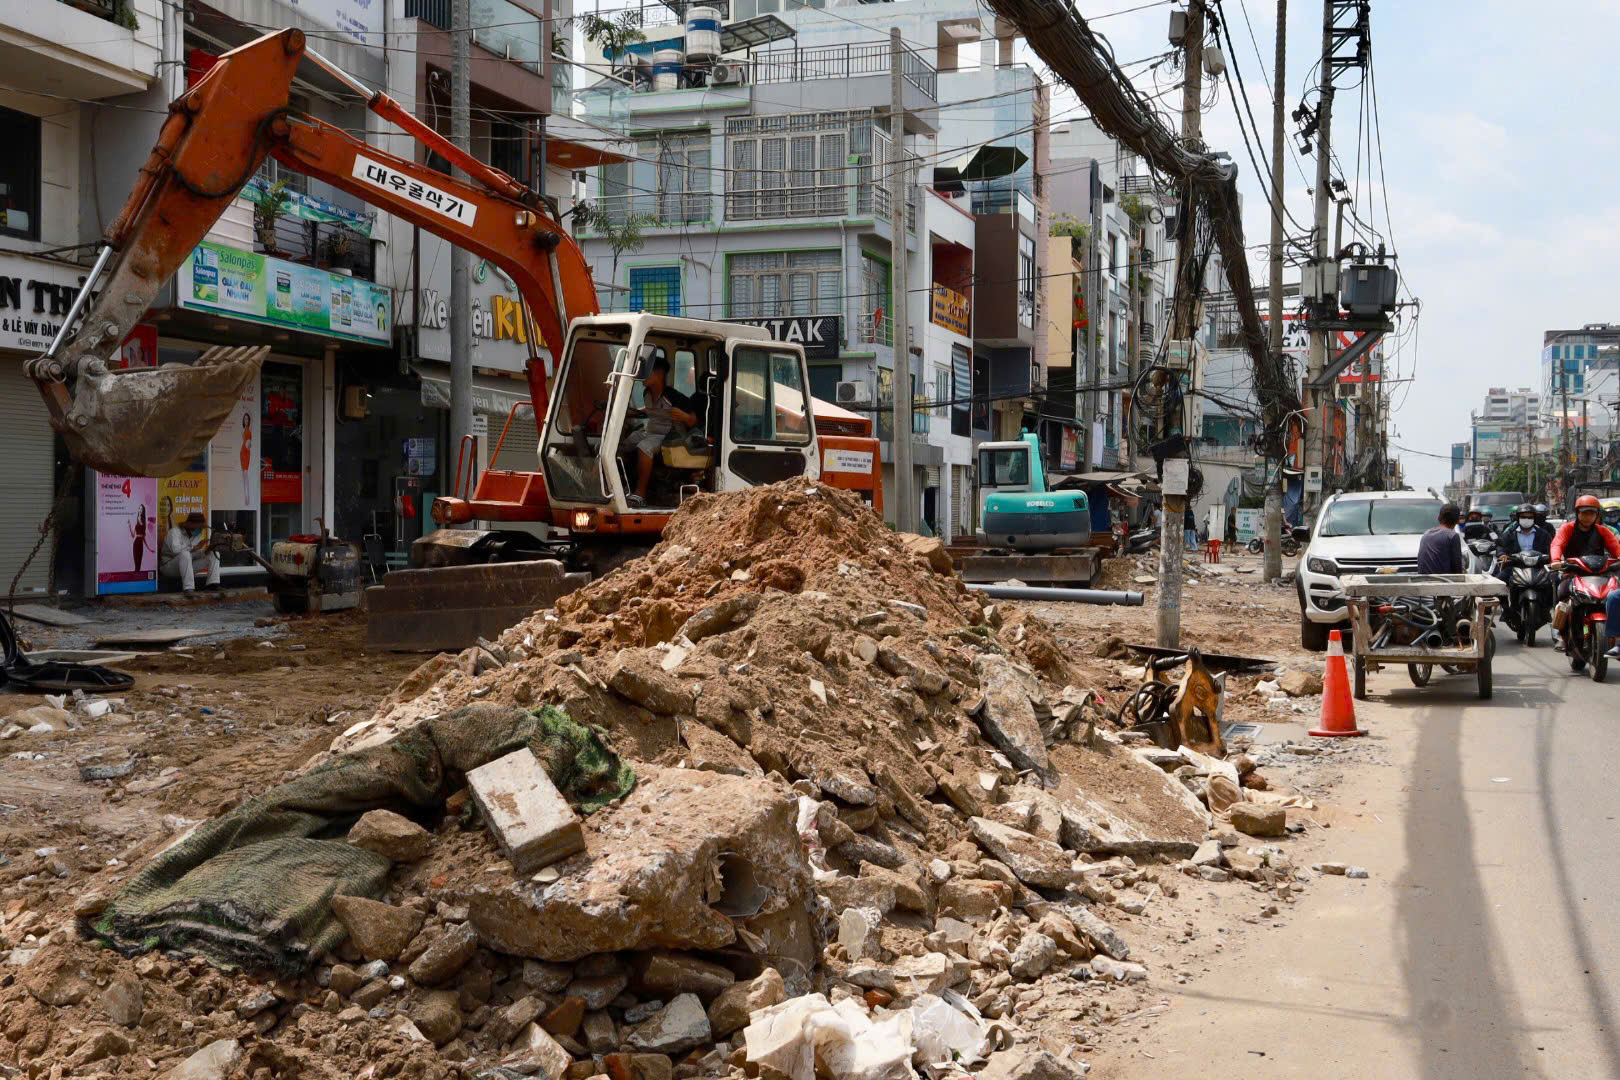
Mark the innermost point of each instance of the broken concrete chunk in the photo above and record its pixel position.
(931, 549)
(390, 834)
(531, 821)
(864, 849)
(122, 1002)
(680, 1026)
(1256, 819)
(926, 974)
(640, 678)
(438, 1017)
(719, 617)
(536, 1053)
(447, 955)
(597, 991)
(709, 750)
(1119, 971)
(1023, 1064)
(1033, 956)
(1105, 937)
(1009, 718)
(738, 1001)
(379, 931)
(215, 1061)
(973, 899)
(1208, 854)
(1300, 683)
(1035, 861)
(661, 870)
(858, 933)
(666, 973)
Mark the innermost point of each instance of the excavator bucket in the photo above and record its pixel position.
(152, 422)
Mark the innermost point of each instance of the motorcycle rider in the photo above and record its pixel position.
(1526, 537)
(1541, 521)
(1585, 536)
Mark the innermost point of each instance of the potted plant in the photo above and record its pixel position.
(337, 248)
(267, 211)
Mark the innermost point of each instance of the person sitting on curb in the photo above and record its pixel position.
(185, 549)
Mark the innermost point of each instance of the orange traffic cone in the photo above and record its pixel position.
(1338, 710)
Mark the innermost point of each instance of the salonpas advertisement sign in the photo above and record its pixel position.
(279, 293)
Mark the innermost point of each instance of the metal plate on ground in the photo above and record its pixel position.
(48, 615)
(1234, 730)
(159, 638)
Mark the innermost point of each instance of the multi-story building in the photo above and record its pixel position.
(760, 190)
(1580, 381)
(1507, 425)
(347, 425)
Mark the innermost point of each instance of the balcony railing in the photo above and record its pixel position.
(107, 9)
(874, 328)
(841, 62)
(500, 27)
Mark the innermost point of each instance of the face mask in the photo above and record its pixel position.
(1527, 523)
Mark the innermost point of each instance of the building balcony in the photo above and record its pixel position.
(874, 328)
(847, 63)
(90, 49)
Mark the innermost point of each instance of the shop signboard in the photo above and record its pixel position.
(500, 327)
(281, 474)
(952, 311)
(821, 335)
(233, 472)
(361, 20)
(182, 494)
(1248, 524)
(276, 292)
(422, 455)
(1070, 454)
(127, 534)
(140, 348)
(1297, 345)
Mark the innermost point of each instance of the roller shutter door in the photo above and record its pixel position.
(27, 447)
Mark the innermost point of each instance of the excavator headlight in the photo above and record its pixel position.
(584, 521)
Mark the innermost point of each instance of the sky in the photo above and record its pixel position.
(1500, 153)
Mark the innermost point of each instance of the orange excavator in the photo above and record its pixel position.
(756, 420)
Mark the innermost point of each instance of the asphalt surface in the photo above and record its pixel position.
(1486, 942)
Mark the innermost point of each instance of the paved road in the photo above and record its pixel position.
(1487, 942)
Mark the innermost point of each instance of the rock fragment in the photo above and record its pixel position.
(530, 820)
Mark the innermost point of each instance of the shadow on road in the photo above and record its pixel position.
(1470, 1026)
(1592, 965)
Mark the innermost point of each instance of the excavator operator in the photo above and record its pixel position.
(664, 407)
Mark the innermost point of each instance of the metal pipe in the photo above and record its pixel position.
(79, 301)
(1072, 596)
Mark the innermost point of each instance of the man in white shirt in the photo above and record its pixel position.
(185, 550)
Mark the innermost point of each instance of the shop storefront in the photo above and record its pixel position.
(270, 472)
(34, 296)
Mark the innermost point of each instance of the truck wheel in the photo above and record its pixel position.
(1312, 636)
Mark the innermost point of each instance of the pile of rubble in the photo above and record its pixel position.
(875, 829)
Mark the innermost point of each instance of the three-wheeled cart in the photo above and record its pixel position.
(1479, 594)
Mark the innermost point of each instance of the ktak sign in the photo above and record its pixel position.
(821, 335)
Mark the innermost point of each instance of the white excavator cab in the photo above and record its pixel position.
(744, 399)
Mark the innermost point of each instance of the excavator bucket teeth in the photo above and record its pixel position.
(156, 422)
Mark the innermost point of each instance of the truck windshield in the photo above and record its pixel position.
(1380, 517)
(1000, 468)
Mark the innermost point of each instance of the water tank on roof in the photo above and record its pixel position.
(702, 34)
(666, 69)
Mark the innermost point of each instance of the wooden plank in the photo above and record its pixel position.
(1388, 585)
(48, 615)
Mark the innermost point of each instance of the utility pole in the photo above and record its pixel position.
(1132, 329)
(1171, 528)
(1096, 307)
(1272, 569)
(905, 509)
(1317, 427)
(461, 374)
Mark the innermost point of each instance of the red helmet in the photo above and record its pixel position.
(1588, 502)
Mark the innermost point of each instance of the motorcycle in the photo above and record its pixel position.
(1531, 589)
(1141, 540)
(1290, 546)
(1586, 633)
(1481, 555)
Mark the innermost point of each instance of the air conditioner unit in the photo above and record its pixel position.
(854, 393)
(728, 74)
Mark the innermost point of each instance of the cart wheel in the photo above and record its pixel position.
(1361, 679)
(1483, 671)
(1419, 673)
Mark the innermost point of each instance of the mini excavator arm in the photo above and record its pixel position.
(216, 137)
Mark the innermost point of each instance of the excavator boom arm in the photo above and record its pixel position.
(216, 137)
